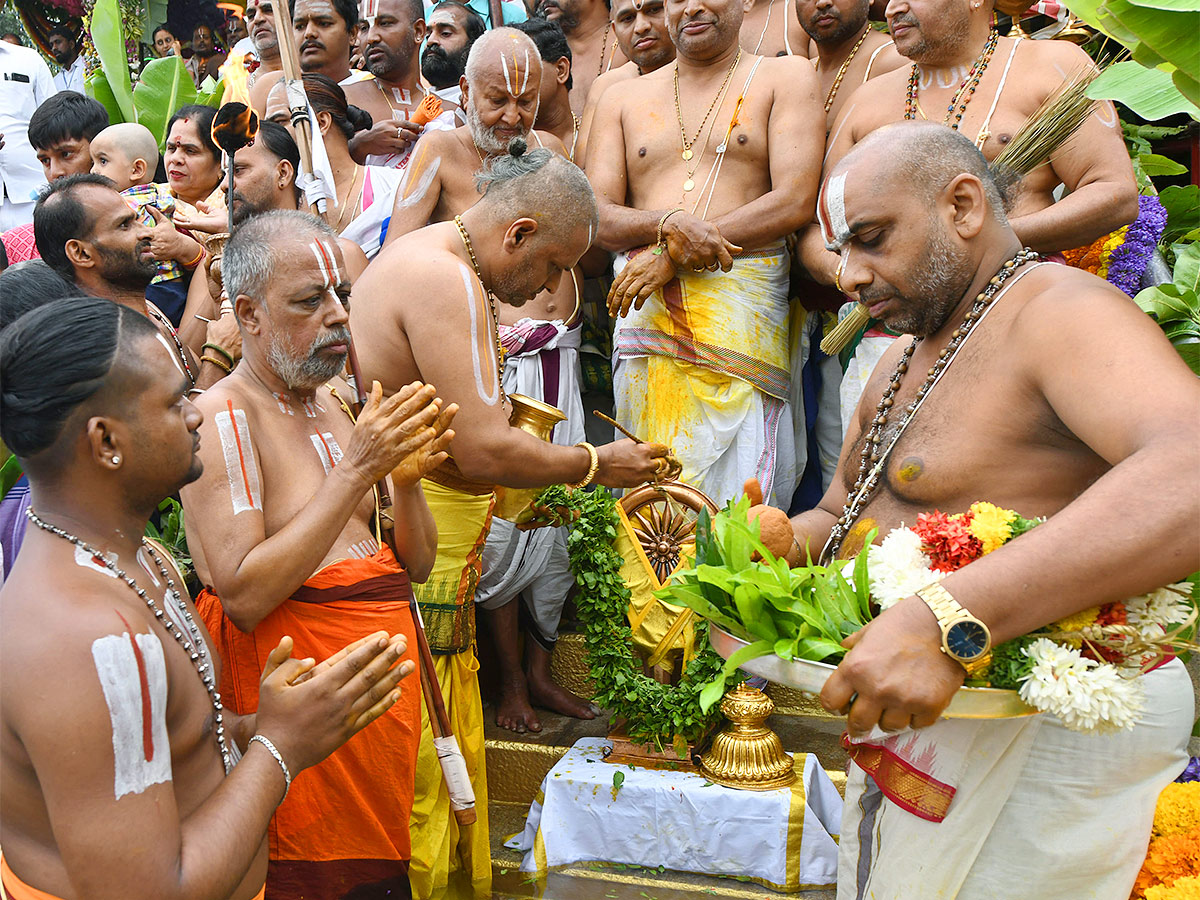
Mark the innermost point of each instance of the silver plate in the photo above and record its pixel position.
(810, 677)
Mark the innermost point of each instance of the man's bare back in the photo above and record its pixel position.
(441, 185)
(1038, 68)
(66, 716)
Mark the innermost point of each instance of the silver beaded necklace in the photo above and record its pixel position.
(873, 457)
(195, 647)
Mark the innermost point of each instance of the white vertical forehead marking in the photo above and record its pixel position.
(133, 678)
(833, 209)
(491, 393)
(508, 82)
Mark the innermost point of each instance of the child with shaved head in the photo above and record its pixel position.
(128, 155)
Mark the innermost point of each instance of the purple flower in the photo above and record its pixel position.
(1192, 772)
(1128, 262)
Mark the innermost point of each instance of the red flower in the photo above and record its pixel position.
(948, 542)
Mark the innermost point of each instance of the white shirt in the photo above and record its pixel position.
(25, 83)
(71, 78)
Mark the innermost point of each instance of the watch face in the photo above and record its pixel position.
(966, 640)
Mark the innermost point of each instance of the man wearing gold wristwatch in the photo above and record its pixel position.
(1009, 412)
(442, 324)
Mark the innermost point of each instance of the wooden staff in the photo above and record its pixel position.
(439, 721)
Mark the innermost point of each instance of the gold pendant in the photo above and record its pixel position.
(687, 155)
(689, 184)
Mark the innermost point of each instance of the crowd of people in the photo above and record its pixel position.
(651, 207)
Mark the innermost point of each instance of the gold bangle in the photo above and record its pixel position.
(593, 465)
(216, 362)
(658, 240)
(216, 349)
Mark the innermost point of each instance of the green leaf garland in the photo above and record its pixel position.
(660, 715)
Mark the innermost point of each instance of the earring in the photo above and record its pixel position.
(116, 460)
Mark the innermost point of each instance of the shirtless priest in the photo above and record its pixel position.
(280, 527)
(1042, 425)
(702, 357)
(442, 328)
(119, 761)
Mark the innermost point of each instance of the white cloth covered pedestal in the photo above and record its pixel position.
(784, 838)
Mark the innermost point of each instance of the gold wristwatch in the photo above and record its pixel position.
(965, 639)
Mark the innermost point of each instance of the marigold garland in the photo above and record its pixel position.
(1172, 867)
(661, 715)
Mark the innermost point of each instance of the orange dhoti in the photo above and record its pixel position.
(344, 823)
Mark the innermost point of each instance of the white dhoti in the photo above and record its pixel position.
(704, 368)
(1034, 810)
(542, 362)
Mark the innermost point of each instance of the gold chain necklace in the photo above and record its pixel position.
(358, 170)
(491, 298)
(687, 145)
(603, 48)
(837, 82)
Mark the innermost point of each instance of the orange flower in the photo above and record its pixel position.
(1169, 859)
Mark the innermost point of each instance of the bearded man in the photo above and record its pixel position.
(391, 48)
(280, 528)
(966, 76)
(1062, 430)
(90, 235)
(848, 50)
(264, 178)
(129, 745)
(443, 329)
(702, 359)
(452, 28)
(500, 89)
(260, 20)
(64, 47)
(640, 29)
(588, 26)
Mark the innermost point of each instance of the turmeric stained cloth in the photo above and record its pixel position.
(344, 823)
(444, 855)
(704, 368)
(17, 889)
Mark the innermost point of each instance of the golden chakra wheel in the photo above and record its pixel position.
(663, 517)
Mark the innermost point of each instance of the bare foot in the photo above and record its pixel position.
(554, 696)
(514, 711)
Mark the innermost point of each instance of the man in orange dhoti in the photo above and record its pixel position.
(281, 528)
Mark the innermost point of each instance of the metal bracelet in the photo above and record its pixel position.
(287, 775)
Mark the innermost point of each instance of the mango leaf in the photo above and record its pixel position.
(1156, 164)
(1167, 303)
(97, 87)
(165, 86)
(109, 40)
(715, 689)
(10, 473)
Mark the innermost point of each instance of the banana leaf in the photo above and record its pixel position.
(1148, 92)
(97, 87)
(109, 40)
(165, 86)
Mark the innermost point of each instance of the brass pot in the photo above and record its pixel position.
(747, 754)
(538, 419)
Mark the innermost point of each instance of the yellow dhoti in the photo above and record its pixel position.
(443, 853)
(703, 367)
